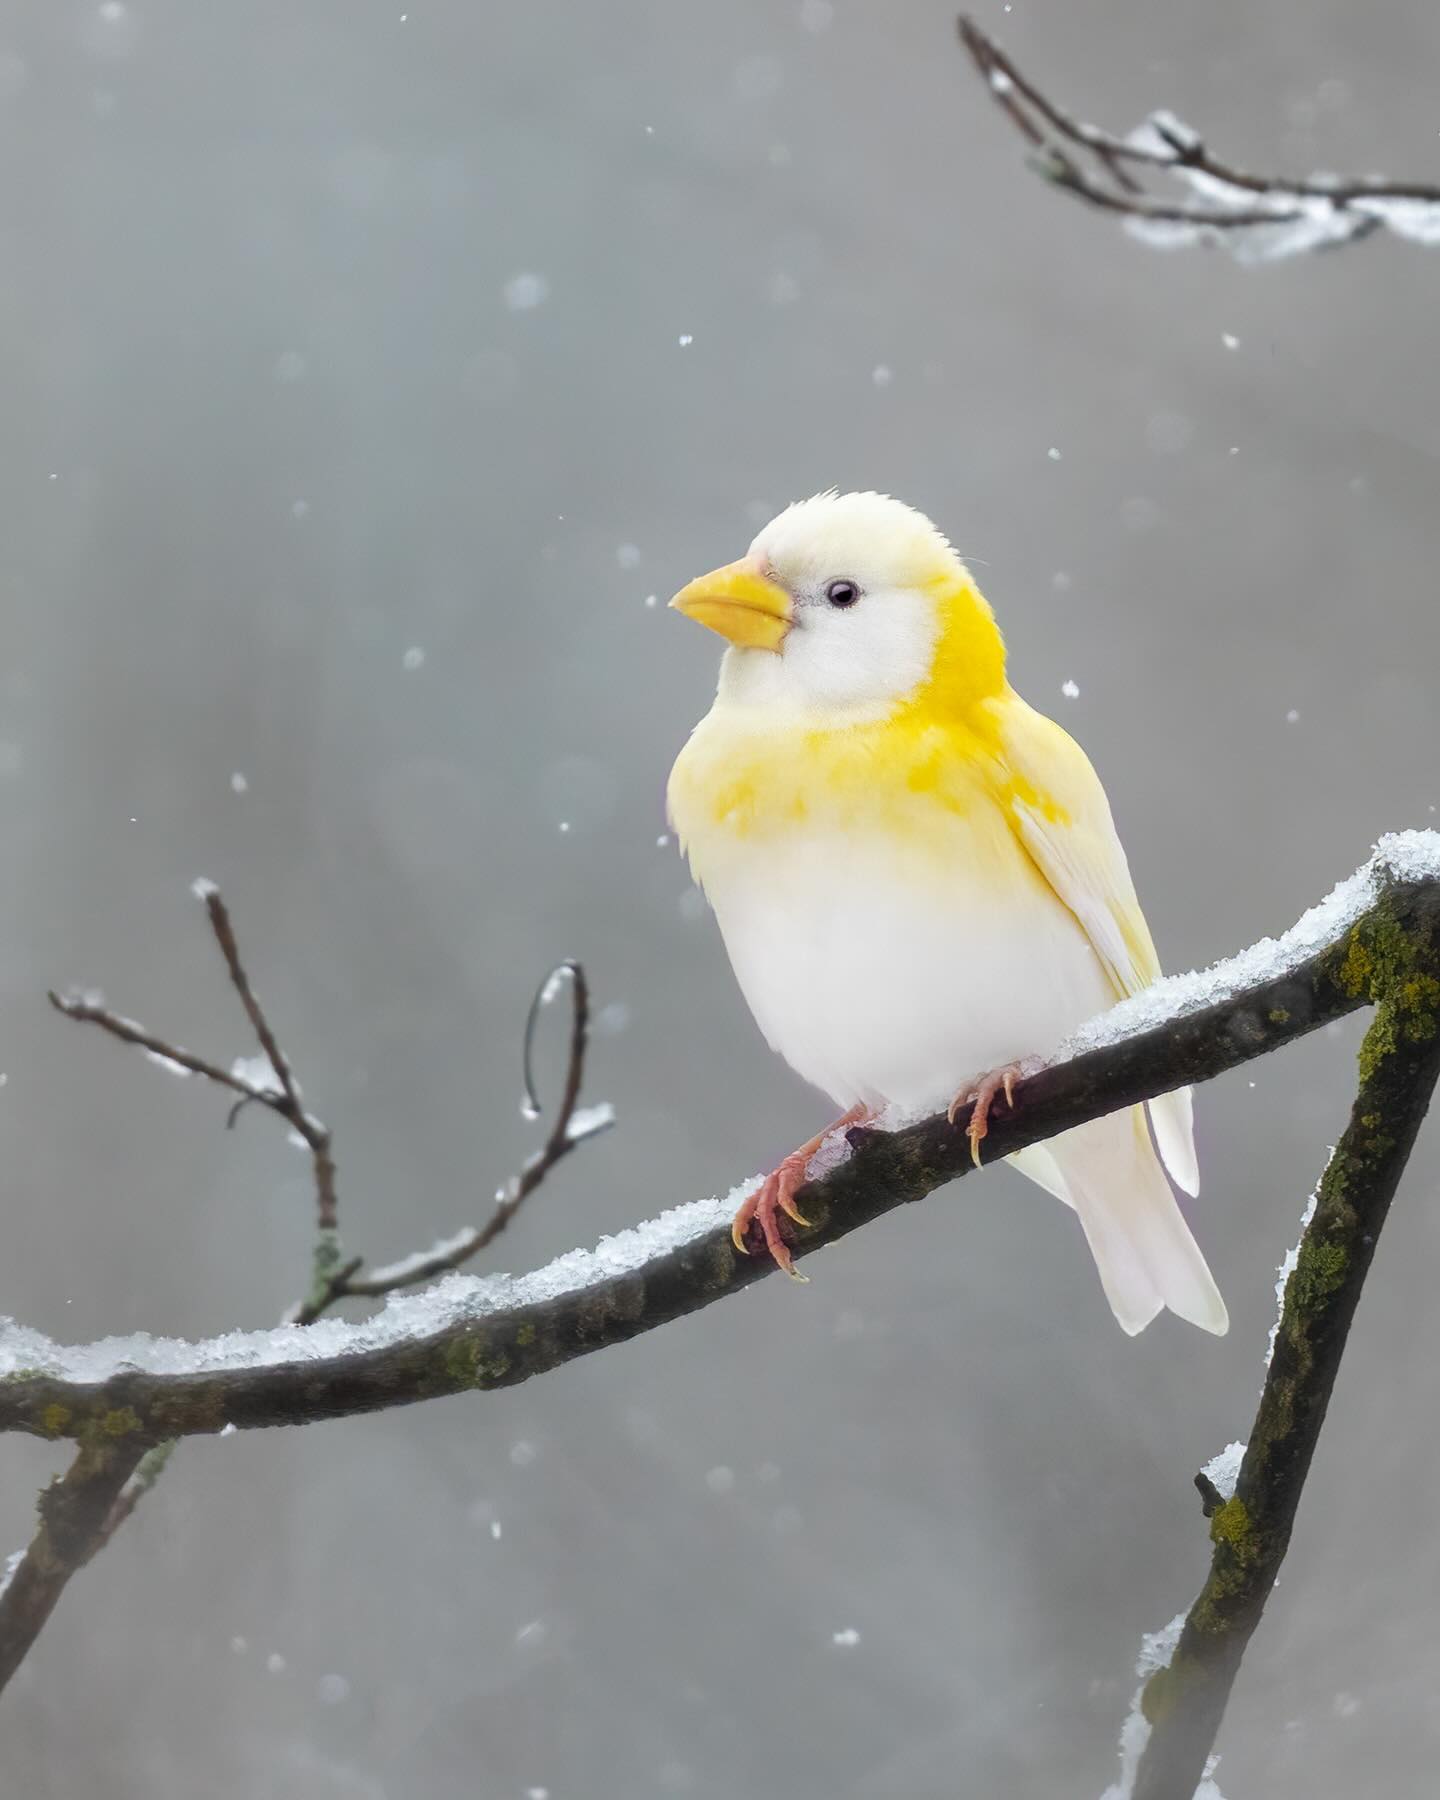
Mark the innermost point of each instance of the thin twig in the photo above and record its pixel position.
(290, 1105)
(336, 1278)
(219, 916)
(284, 1098)
(1106, 171)
(90, 1011)
(566, 1134)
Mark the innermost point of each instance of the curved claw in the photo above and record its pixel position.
(770, 1201)
(982, 1097)
(776, 1194)
(762, 1205)
(785, 1200)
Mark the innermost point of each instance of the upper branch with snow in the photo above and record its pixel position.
(1172, 191)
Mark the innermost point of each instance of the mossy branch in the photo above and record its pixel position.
(72, 1514)
(1394, 963)
(502, 1346)
(1388, 955)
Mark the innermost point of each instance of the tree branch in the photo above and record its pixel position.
(39, 1575)
(498, 1332)
(281, 1095)
(572, 1128)
(1376, 940)
(1256, 217)
(72, 1512)
(1184, 1701)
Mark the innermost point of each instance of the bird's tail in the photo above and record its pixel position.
(1109, 1172)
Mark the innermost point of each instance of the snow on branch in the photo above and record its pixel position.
(268, 1080)
(1374, 941)
(112, 1474)
(1199, 199)
(496, 1330)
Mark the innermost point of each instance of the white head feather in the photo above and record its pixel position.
(856, 662)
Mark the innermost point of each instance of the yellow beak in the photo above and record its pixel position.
(740, 605)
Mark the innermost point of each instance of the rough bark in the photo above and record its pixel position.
(72, 1513)
(503, 1348)
(1395, 965)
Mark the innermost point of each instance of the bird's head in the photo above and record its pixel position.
(845, 607)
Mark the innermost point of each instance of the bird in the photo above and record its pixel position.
(917, 875)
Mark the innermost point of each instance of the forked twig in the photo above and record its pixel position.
(100, 1492)
(1256, 216)
(281, 1095)
(572, 1127)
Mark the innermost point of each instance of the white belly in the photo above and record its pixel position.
(884, 980)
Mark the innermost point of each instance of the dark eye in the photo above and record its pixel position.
(842, 593)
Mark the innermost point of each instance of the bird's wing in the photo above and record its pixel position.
(1059, 812)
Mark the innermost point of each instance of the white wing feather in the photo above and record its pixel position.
(1063, 819)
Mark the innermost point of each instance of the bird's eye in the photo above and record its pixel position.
(842, 593)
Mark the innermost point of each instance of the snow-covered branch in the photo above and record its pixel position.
(1200, 199)
(1374, 941)
(496, 1330)
(100, 1491)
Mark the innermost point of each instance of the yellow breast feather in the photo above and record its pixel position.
(937, 758)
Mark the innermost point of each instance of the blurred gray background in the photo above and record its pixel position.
(350, 415)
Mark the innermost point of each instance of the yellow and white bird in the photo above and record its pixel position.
(917, 875)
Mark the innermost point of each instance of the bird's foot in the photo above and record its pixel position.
(982, 1095)
(776, 1195)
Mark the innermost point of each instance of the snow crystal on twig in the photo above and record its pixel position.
(256, 1072)
(409, 1268)
(1289, 1263)
(1418, 220)
(1156, 1650)
(587, 1121)
(1223, 1470)
(12, 1563)
(1163, 135)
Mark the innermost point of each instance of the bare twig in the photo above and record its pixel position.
(89, 1010)
(288, 1103)
(147, 1472)
(1257, 216)
(282, 1098)
(335, 1278)
(570, 1129)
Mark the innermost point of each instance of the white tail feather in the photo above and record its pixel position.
(1173, 1116)
(1109, 1172)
